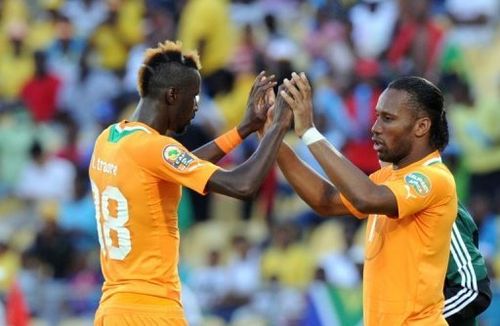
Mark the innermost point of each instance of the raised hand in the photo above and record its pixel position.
(298, 95)
(270, 98)
(259, 102)
(282, 115)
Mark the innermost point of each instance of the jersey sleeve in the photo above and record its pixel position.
(167, 159)
(420, 189)
(351, 208)
(374, 177)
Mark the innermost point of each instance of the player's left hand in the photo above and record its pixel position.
(259, 102)
(298, 95)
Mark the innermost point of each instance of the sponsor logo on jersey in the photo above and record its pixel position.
(177, 157)
(419, 182)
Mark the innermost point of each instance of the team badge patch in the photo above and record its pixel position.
(419, 182)
(177, 157)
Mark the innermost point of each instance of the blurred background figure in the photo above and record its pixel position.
(68, 69)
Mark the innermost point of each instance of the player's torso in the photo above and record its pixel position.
(137, 220)
(405, 260)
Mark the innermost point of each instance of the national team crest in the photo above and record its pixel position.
(177, 157)
(419, 182)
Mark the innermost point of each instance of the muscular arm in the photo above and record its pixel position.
(255, 116)
(212, 153)
(364, 194)
(209, 152)
(244, 181)
(317, 192)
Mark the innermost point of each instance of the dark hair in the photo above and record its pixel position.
(166, 66)
(426, 97)
(36, 149)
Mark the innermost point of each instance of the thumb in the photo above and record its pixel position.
(270, 113)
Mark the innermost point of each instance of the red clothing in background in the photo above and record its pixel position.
(40, 96)
(407, 35)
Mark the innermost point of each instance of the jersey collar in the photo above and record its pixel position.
(430, 159)
(126, 125)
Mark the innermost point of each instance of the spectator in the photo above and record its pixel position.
(45, 177)
(16, 66)
(40, 93)
(415, 49)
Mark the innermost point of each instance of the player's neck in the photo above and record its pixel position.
(147, 112)
(414, 156)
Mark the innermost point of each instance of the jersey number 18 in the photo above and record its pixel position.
(115, 223)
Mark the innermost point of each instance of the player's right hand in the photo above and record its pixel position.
(270, 98)
(257, 105)
(283, 114)
(298, 95)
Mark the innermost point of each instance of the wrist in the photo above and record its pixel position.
(244, 130)
(229, 140)
(311, 135)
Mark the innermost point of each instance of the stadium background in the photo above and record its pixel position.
(68, 69)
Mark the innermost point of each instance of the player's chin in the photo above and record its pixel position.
(382, 156)
(182, 130)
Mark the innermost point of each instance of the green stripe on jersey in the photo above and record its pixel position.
(116, 133)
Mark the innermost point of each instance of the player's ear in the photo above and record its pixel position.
(171, 95)
(422, 126)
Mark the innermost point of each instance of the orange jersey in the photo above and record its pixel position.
(136, 176)
(406, 257)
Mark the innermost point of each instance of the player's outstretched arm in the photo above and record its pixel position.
(244, 181)
(255, 117)
(315, 190)
(365, 195)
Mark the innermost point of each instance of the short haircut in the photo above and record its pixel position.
(166, 66)
(426, 97)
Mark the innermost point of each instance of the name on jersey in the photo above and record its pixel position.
(177, 157)
(105, 167)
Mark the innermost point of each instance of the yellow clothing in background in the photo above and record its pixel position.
(477, 133)
(233, 104)
(130, 23)
(110, 47)
(293, 266)
(208, 20)
(14, 73)
(9, 264)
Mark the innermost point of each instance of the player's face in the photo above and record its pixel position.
(188, 105)
(392, 131)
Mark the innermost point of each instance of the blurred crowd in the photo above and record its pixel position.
(68, 69)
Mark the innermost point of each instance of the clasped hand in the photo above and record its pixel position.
(296, 94)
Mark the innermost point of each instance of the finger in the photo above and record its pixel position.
(269, 85)
(258, 79)
(272, 77)
(270, 96)
(288, 99)
(306, 81)
(292, 89)
(262, 90)
(302, 85)
(270, 113)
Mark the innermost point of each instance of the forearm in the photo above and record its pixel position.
(209, 152)
(219, 147)
(316, 191)
(244, 181)
(351, 181)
